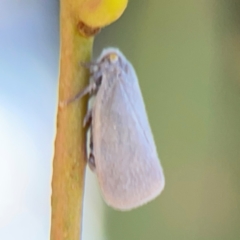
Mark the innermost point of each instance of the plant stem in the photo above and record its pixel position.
(70, 150)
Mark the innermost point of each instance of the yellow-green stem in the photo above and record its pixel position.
(69, 157)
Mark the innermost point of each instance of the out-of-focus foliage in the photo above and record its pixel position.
(187, 57)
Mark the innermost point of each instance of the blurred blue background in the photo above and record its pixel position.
(187, 57)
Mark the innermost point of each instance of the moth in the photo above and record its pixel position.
(122, 150)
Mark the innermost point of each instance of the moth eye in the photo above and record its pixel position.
(113, 57)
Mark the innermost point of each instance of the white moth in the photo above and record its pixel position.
(123, 152)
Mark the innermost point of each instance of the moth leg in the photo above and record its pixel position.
(88, 118)
(91, 158)
(90, 89)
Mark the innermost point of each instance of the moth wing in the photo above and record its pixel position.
(127, 164)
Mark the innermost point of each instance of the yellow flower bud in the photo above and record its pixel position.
(99, 13)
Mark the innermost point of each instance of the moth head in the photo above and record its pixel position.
(110, 55)
(110, 58)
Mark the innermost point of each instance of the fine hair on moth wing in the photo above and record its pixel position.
(122, 149)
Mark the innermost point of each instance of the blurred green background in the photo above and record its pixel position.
(187, 57)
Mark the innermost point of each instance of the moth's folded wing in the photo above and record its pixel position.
(127, 164)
